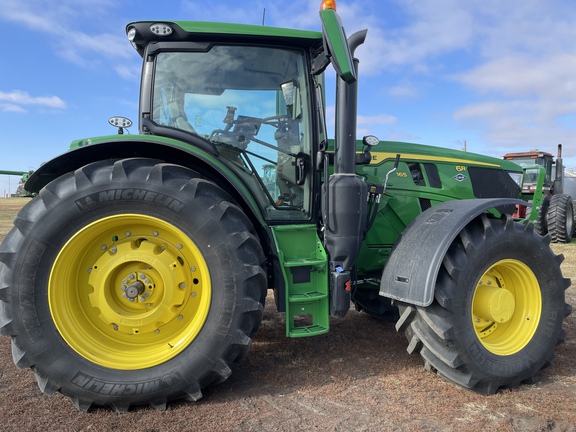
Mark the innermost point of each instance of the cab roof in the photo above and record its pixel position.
(146, 32)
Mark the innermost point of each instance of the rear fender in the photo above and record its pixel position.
(410, 273)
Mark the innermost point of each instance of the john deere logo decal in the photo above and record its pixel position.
(459, 177)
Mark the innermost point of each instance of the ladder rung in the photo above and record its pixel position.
(306, 297)
(311, 330)
(305, 262)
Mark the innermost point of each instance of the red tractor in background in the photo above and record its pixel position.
(556, 215)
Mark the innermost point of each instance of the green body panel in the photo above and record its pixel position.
(538, 187)
(427, 153)
(403, 200)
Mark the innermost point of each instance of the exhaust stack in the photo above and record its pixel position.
(345, 193)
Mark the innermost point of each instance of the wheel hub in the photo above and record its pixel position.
(129, 289)
(149, 275)
(494, 304)
(134, 290)
(506, 307)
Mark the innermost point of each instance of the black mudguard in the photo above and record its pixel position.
(410, 273)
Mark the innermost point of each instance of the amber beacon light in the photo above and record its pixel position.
(328, 4)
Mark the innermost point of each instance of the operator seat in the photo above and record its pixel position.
(178, 119)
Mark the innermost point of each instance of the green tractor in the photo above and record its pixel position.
(556, 212)
(139, 272)
(21, 191)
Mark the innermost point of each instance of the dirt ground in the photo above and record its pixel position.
(358, 377)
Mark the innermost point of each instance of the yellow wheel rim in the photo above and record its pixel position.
(506, 307)
(129, 291)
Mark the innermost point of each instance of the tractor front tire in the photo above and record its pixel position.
(541, 224)
(130, 282)
(560, 218)
(498, 308)
(372, 303)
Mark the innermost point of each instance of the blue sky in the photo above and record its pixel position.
(497, 75)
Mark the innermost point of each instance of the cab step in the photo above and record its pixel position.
(305, 269)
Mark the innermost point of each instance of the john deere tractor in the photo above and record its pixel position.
(138, 275)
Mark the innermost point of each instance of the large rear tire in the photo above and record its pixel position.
(130, 282)
(498, 308)
(560, 218)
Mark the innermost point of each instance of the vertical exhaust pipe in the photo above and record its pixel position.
(347, 192)
(346, 114)
(559, 177)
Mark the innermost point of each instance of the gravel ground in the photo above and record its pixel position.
(358, 377)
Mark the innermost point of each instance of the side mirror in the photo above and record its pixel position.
(293, 98)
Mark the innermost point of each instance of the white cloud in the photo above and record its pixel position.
(222, 12)
(381, 119)
(59, 21)
(528, 98)
(403, 90)
(49, 17)
(12, 108)
(129, 73)
(518, 125)
(16, 100)
(515, 60)
(80, 48)
(494, 109)
(548, 76)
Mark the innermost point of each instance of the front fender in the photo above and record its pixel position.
(410, 273)
(168, 150)
(83, 152)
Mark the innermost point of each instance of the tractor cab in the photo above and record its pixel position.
(249, 103)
